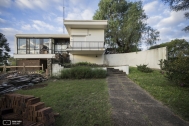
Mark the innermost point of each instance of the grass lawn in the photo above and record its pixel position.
(79, 102)
(175, 97)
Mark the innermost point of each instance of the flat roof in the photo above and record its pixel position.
(85, 24)
(42, 35)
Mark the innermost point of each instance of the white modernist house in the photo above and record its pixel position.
(84, 42)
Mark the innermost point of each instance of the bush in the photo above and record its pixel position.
(144, 68)
(176, 69)
(69, 65)
(82, 72)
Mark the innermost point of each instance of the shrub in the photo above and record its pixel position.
(144, 68)
(176, 69)
(99, 73)
(82, 72)
(65, 74)
(69, 65)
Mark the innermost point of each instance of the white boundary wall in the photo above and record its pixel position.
(98, 59)
(150, 57)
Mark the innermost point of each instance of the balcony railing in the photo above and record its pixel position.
(83, 45)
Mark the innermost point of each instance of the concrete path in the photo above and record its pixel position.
(132, 106)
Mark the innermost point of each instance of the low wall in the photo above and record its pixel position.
(150, 57)
(98, 59)
(56, 68)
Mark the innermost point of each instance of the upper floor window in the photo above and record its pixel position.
(33, 46)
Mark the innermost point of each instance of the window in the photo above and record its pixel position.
(61, 45)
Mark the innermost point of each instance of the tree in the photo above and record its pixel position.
(4, 49)
(126, 25)
(176, 48)
(179, 5)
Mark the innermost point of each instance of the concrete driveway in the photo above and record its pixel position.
(132, 106)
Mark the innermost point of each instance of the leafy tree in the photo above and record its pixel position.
(177, 47)
(4, 49)
(12, 61)
(126, 25)
(179, 5)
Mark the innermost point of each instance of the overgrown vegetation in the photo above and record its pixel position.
(144, 68)
(69, 65)
(159, 87)
(176, 70)
(175, 48)
(82, 72)
(79, 102)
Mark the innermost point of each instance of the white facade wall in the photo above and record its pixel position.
(98, 59)
(150, 57)
(87, 37)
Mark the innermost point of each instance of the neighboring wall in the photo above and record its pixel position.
(56, 68)
(98, 59)
(150, 57)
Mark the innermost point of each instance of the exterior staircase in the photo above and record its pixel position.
(112, 71)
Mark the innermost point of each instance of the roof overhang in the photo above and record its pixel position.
(42, 36)
(85, 24)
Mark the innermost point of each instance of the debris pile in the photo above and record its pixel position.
(26, 108)
(15, 81)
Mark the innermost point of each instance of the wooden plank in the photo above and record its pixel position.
(18, 66)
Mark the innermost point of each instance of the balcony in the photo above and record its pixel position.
(86, 47)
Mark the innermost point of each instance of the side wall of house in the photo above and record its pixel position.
(150, 57)
(98, 59)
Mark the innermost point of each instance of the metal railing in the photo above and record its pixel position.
(82, 45)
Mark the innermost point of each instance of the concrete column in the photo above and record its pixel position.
(49, 66)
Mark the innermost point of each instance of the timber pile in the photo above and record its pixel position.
(16, 81)
(27, 108)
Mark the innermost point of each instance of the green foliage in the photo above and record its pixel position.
(175, 48)
(4, 49)
(126, 27)
(69, 65)
(12, 61)
(144, 68)
(79, 102)
(40, 71)
(179, 5)
(82, 72)
(176, 98)
(177, 70)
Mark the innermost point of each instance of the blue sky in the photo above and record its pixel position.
(46, 16)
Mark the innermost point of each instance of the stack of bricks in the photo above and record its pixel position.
(28, 108)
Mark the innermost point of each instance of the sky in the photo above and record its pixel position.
(46, 17)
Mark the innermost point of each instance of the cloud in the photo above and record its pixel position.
(32, 4)
(2, 20)
(39, 25)
(26, 27)
(154, 20)
(174, 19)
(59, 20)
(87, 14)
(150, 7)
(5, 3)
(78, 14)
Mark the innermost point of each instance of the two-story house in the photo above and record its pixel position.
(83, 43)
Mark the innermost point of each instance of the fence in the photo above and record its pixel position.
(24, 70)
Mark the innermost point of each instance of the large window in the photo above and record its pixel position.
(21, 46)
(61, 45)
(34, 46)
